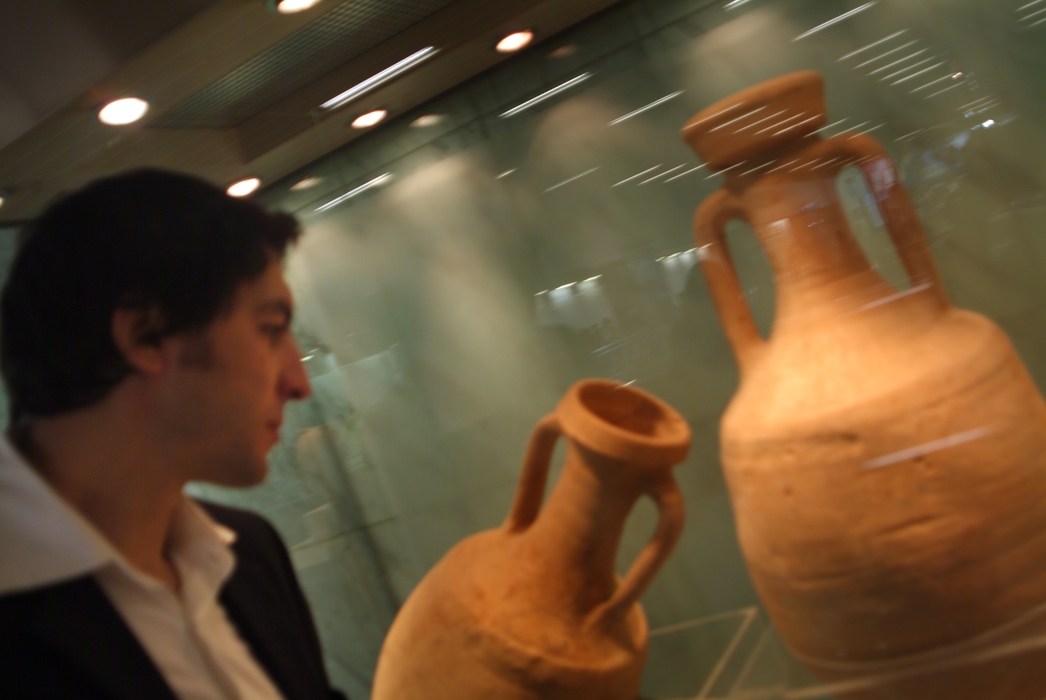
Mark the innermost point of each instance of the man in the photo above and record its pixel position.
(145, 343)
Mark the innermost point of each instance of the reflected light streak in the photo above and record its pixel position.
(871, 45)
(908, 136)
(782, 167)
(780, 123)
(898, 62)
(726, 170)
(1033, 3)
(1033, 14)
(731, 108)
(506, 173)
(796, 126)
(930, 84)
(941, 92)
(975, 102)
(1036, 24)
(637, 175)
(692, 170)
(867, 131)
(661, 175)
(370, 184)
(546, 95)
(830, 126)
(571, 179)
(758, 167)
(916, 74)
(757, 123)
(902, 47)
(827, 163)
(908, 68)
(734, 4)
(928, 447)
(737, 119)
(840, 18)
(653, 104)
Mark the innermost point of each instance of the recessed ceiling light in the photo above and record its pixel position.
(123, 111)
(288, 7)
(307, 183)
(515, 41)
(242, 188)
(380, 78)
(427, 120)
(369, 119)
(1, 201)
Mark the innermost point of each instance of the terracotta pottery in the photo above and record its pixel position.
(885, 451)
(533, 609)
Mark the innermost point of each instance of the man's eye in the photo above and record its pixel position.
(274, 332)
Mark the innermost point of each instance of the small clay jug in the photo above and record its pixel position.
(533, 609)
(885, 451)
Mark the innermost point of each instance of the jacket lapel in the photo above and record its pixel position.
(79, 623)
(249, 600)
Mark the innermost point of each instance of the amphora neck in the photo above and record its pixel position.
(794, 208)
(581, 524)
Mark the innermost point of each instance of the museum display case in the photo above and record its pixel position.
(855, 334)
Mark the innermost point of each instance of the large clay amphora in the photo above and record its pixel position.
(885, 452)
(533, 609)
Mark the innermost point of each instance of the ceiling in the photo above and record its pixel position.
(234, 88)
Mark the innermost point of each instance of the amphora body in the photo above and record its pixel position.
(885, 451)
(533, 609)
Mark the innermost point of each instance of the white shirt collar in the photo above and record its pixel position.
(44, 540)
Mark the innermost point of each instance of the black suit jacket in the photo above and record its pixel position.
(67, 641)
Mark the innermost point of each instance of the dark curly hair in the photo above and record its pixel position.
(148, 239)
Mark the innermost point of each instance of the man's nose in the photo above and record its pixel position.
(294, 382)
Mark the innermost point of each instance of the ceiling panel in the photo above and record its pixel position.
(332, 40)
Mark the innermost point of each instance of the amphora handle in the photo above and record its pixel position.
(661, 486)
(671, 517)
(531, 491)
(729, 298)
(898, 212)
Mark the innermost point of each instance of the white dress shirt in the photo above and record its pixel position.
(197, 650)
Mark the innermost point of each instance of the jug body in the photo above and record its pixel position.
(533, 609)
(885, 452)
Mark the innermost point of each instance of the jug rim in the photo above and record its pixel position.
(624, 422)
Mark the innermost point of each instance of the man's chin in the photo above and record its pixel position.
(245, 476)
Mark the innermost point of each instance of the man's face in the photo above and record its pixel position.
(228, 384)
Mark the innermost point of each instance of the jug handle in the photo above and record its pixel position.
(672, 515)
(902, 221)
(531, 491)
(718, 266)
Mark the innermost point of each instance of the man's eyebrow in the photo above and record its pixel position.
(278, 306)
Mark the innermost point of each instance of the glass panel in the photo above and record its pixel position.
(455, 279)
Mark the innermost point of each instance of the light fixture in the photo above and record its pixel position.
(369, 119)
(242, 188)
(427, 120)
(381, 78)
(515, 41)
(123, 111)
(289, 7)
(306, 183)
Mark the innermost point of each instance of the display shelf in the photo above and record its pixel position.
(738, 655)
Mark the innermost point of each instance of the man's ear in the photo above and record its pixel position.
(136, 333)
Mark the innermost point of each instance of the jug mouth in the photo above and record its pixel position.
(623, 422)
(758, 119)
